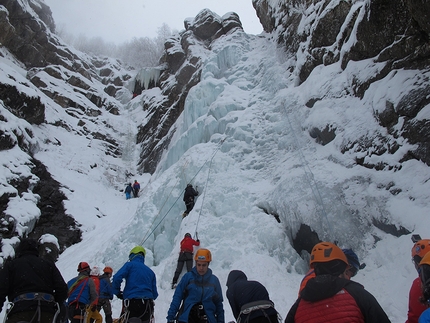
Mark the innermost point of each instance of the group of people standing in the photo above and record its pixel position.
(132, 189)
(38, 292)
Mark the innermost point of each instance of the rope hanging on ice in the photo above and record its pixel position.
(309, 175)
(152, 231)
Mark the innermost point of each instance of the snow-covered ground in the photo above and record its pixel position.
(243, 140)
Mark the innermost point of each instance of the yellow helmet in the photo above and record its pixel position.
(138, 250)
(203, 255)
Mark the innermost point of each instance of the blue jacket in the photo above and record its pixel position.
(194, 289)
(106, 291)
(83, 291)
(140, 281)
(425, 316)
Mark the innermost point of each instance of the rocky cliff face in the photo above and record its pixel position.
(46, 83)
(391, 35)
(180, 71)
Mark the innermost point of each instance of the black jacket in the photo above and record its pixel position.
(242, 291)
(190, 192)
(30, 274)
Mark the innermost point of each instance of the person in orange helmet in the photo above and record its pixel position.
(331, 298)
(424, 269)
(415, 307)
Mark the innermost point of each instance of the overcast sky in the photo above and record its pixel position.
(118, 21)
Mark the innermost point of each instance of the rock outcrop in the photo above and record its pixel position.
(179, 71)
(392, 35)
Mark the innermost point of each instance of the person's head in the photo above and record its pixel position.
(95, 271)
(234, 276)
(424, 271)
(202, 257)
(137, 251)
(419, 250)
(328, 259)
(187, 235)
(353, 263)
(189, 185)
(27, 246)
(84, 267)
(135, 180)
(108, 271)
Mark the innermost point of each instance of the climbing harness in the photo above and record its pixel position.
(125, 317)
(39, 297)
(257, 306)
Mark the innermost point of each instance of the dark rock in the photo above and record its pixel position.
(21, 105)
(324, 136)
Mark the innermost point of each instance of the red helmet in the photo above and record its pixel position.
(83, 266)
(108, 270)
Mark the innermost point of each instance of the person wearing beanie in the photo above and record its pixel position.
(82, 293)
(329, 297)
(31, 283)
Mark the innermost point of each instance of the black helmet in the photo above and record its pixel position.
(189, 185)
(187, 235)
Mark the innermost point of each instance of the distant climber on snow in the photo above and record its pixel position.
(249, 300)
(185, 256)
(136, 188)
(189, 195)
(128, 191)
(34, 286)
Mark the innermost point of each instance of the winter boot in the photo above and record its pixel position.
(174, 285)
(184, 214)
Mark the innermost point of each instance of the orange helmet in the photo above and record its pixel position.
(420, 249)
(426, 259)
(108, 269)
(326, 251)
(203, 255)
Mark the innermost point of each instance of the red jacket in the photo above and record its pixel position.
(333, 299)
(187, 244)
(415, 306)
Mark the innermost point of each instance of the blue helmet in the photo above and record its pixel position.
(352, 258)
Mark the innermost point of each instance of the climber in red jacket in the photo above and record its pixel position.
(329, 297)
(185, 256)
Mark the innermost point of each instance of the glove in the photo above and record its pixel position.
(197, 240)
(120, 295)
(93, 308)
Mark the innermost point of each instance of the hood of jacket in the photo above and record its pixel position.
(322, 287)
(234, 276)
(136, 257)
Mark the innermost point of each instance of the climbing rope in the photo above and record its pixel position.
(206, 184)
(146, 237)
(310, 178)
